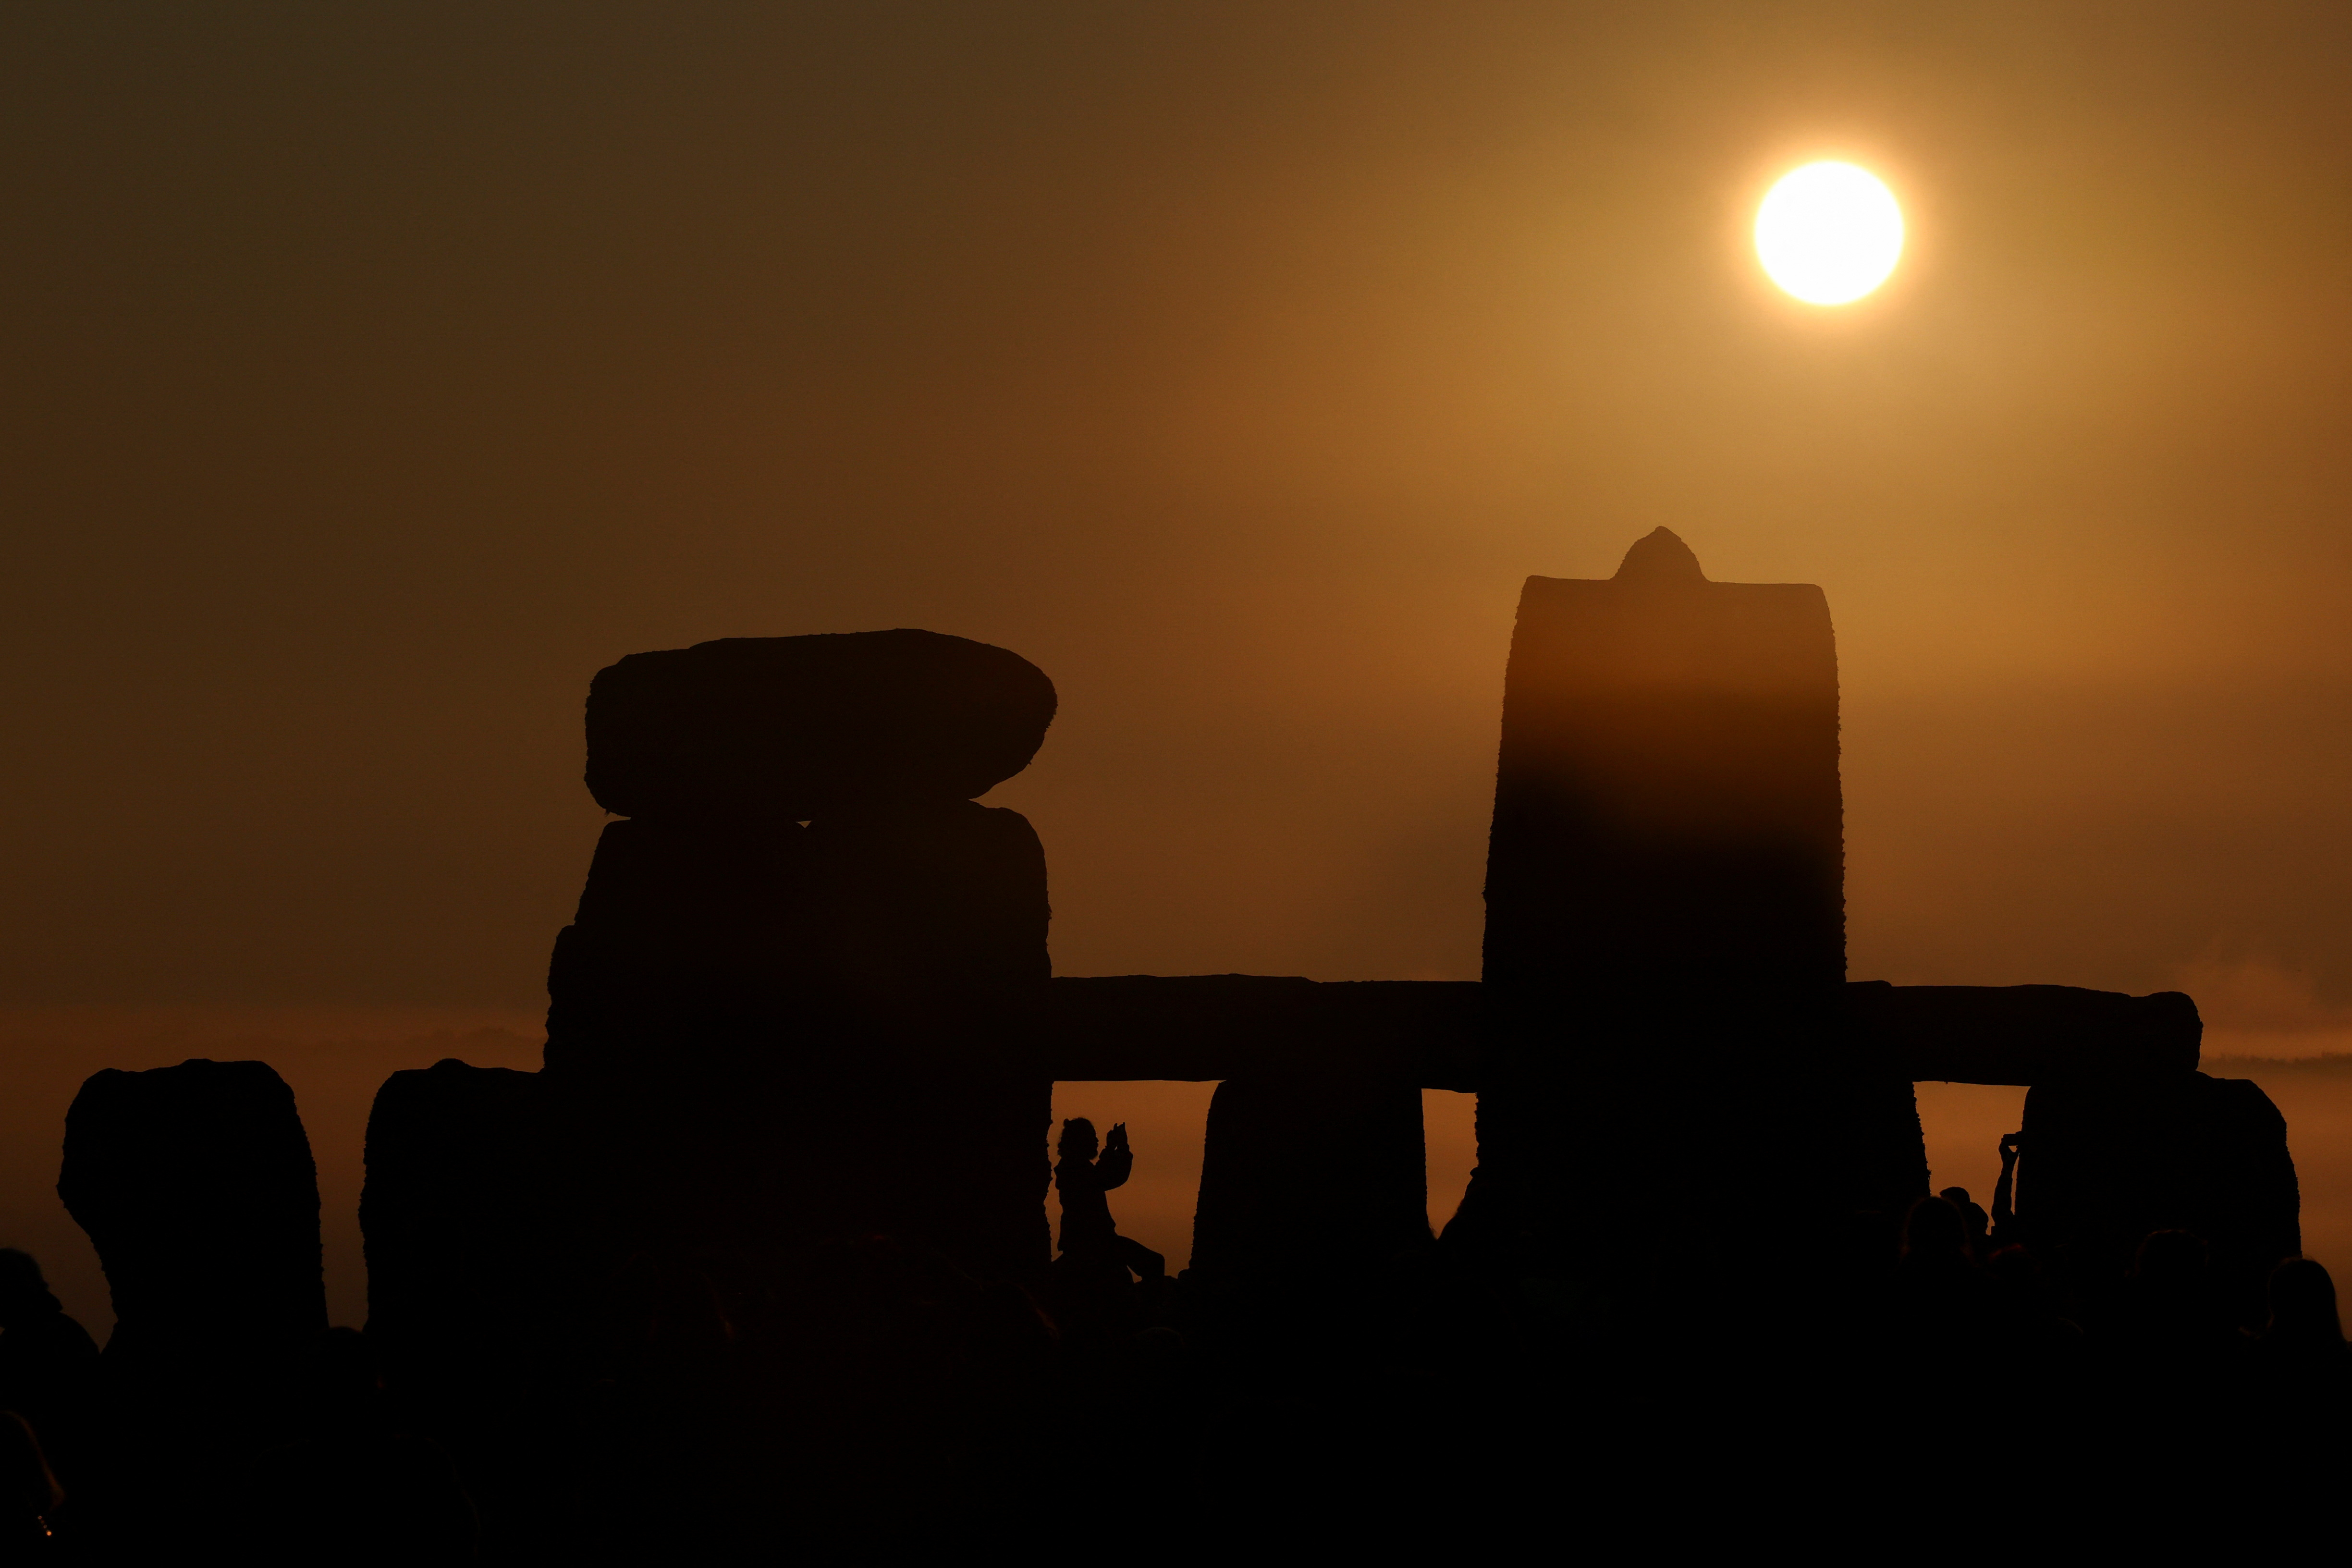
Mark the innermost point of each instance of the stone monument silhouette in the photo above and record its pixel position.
(802, 1034)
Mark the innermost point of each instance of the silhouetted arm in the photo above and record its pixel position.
(1117, 1159)
(2005, 1215)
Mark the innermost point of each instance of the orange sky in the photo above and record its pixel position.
(377, 375)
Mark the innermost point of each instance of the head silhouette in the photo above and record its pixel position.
(1078, 1139)
(2302, 1305)
(340, 1378)
(1935, 1233)
(2015, 1265)
(1974, 1219)
(24, 1294)
(2170, 1260)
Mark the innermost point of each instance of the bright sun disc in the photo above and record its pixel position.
(1828, 233)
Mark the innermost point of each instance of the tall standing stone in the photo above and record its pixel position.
(1665, 920)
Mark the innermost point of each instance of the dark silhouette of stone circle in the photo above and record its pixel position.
(764, 1244)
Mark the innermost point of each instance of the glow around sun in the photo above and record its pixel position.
(1828, 233)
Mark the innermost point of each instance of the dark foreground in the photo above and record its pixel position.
(869, 1399)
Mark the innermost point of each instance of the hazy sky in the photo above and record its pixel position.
(375, 373)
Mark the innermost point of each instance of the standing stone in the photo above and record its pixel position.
(450, 1216)
(1666, 923)
(1307, 1179)
(196, 1186)
(460, 1304)
(764, 1035)
(1667, 811)
(684, 936)
(928, 1102)
(2106, 1161)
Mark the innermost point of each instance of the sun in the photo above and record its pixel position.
(1828, 233)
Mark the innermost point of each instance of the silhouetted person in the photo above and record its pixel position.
(1942, 1304)
(1084, 1180)
(2022, 1291)
(1935, 1239)
(1935, 1243)
(2039, 1349)
(355, 1489)
(2172, 1321)
(1973, 1214)
(29, 1493)
(1940, 1326)
(47, 1363)
(2175, 1365)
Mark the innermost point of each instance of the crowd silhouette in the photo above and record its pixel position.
(954, 1398)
